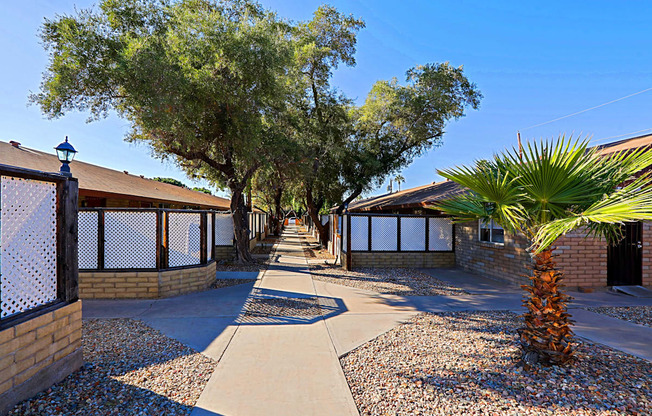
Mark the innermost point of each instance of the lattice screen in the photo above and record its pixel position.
(359, 233)
(413, 234)
(129, 240)
(384, 233)
(223, 230)
(209, 236)
(184, 239)
(441, 234)
(324, 219)
(87, 238)
(28, 262)
(344, 233)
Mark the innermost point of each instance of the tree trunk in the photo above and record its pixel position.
(277, 225)
(313, 212)
(547, 336)
(343, 205)
(240, 226)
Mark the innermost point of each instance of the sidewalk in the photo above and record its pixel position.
(280, 364)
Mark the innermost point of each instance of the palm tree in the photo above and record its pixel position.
(399, 179)
(553, 188)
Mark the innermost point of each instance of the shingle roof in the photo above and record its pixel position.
(626, 144)
(420, 196)
(108, 181)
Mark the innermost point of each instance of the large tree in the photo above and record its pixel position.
(322, 44)
(398, 123)
(550, 189)
(198, 80)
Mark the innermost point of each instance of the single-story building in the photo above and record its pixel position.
(103, 187)
(479, 247)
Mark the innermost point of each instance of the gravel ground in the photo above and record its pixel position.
(220, 283)
(641, 315)
(465, 363)
(257, 265)
(395, 281)
(315, 253)
(129, 369)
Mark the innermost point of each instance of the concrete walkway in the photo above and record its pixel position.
(286, 363)
(280, 365)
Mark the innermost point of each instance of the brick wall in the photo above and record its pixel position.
(38, 353)
(224, 252)
(399, 259)
(145, 285)
(506, 261)
(583, 260)
(118, 285)
(179, 282)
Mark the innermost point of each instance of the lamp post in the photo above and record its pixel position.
(65, 153)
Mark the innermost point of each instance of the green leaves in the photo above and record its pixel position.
(555, 187)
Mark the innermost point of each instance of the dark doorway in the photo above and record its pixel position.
(624, 260)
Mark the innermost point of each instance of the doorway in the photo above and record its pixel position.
(624, 260)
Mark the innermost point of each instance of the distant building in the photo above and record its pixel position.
(103, 187)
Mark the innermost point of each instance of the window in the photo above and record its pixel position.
(491, 232)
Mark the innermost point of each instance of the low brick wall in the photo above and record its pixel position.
(224, 252)
(179, 282)
(145, 285)
(402, 259)
(38, 353)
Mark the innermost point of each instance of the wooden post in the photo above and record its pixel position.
(100, 240)
(67, 260)
(348, 242)
(159, 240)
(427, 234)
(203, 238)
(398, 232)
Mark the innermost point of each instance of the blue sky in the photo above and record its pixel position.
(532, 62)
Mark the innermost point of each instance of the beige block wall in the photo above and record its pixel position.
(118, 285)
(399, 259)
(224, 252)
(647, 255)
(179, 282)
(145, 285)
(38, 353)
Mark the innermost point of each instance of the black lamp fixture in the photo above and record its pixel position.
(65, 153)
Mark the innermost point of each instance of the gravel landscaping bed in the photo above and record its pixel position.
(129, 369)
(256, 266)
(641, 315)
(220, 283)
(466, 363)
(282, 306)
(395, 281)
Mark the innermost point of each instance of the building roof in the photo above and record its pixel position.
(625, 144)
(108, 183)
(421, 196)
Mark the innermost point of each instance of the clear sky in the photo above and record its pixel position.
(533, 62)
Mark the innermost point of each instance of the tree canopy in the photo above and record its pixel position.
(236, 95)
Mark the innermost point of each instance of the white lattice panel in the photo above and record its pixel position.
(129, 240)
(384, 233)
(28, 262)
(184, 239)
(250, 220)
(359, 233)
(440, 234)
(413, 234)
(87, 238)
(324, 219)
(223, 230)
(209, 235)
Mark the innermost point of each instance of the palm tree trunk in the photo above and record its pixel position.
(547, 336)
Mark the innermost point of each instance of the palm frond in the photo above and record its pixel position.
(630, 203)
